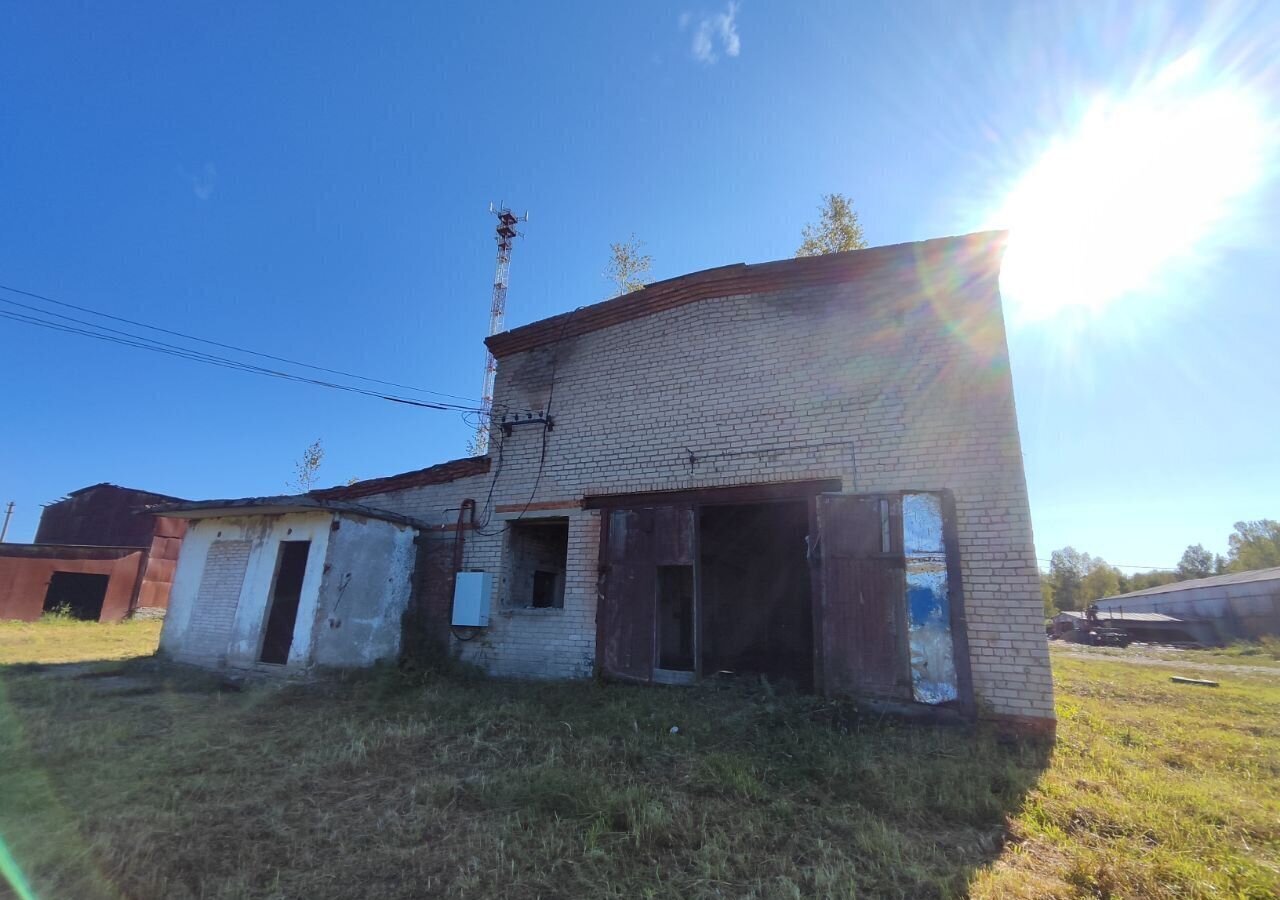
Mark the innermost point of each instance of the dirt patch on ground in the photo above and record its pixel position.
(1146, 655)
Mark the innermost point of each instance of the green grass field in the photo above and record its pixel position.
(144, 781)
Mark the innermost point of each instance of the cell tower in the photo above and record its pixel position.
(506, 236)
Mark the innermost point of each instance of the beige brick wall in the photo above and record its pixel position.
(887, 386)
(220, 583)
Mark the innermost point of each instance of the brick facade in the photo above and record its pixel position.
(212, 618)
(895, 379)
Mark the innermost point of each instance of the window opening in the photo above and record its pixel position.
(537, 560)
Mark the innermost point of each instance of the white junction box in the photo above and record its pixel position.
(471, 593)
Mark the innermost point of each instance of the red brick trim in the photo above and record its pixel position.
(538, 507)
(438, 474)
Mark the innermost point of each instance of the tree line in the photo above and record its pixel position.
(1076, 579)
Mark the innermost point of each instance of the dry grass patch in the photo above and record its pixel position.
(58, 639)
(444, 785)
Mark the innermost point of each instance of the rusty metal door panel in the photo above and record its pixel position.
(638, 540)
(628, 604)
(863, 594)
(630, 610)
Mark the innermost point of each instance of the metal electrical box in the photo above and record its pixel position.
(471, 593)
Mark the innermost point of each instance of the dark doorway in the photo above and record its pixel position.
(757, 612)
(79, 594)
(291, 566)
(675, 618)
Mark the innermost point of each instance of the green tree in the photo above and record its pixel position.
(1140, 581)
(1067, 568)
(1101, 580)
(1196, 562)
(307, 468)
(1254, 545)
(836, 230)
(628, 265)
(1046, 596)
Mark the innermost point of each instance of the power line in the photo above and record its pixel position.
(143, 343)
(1124, 565)
(212, 343)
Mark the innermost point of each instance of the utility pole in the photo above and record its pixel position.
(506, 235)
(8, 514)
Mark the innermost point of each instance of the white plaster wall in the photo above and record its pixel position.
(264, 534)
(367, 582)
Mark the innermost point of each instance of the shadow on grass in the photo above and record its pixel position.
(400, 786)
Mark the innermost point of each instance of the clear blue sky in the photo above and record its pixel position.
(313, 180)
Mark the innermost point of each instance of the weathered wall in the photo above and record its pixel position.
(162, 562)
(25, 570)
(366, 588)
(102, 515)
(211, 621)
(898, 383)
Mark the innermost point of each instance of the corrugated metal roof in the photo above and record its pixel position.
(978, 251)
(1118, 616)
(442, 473)
(1213, 581)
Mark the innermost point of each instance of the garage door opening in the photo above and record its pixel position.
(77, 594)
(757, 611)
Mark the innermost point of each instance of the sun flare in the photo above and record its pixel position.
(1136, 190)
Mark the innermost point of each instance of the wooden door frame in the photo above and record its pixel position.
(965, 698)
(696, 499)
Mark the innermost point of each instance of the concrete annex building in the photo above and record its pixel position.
(806, 469)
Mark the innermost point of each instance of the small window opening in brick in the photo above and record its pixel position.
(537, 558)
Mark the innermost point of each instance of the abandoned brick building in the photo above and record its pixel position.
(806, 469)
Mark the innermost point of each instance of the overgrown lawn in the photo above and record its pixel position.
(160, 783)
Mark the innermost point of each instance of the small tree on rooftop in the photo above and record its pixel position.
(628, 265)
(836, 230)
(307, 468)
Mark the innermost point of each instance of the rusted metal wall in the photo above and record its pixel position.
(161, 563)
(25, 570)
(104, 515)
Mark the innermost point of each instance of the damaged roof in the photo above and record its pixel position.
(1121, 616)
(980, 251)
(441, 473)
(266, 506)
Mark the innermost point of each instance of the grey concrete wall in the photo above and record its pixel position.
(366, 587)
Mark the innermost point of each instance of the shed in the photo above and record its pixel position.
(289, 582)
(1239, 605)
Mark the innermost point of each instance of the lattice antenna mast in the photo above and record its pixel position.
(506, 235)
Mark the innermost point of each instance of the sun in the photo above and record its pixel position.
(1137, 189)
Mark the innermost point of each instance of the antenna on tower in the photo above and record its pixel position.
(506, 235)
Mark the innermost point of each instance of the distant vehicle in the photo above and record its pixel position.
(1100, 635)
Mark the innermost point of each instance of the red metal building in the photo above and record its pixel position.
(97, 555)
